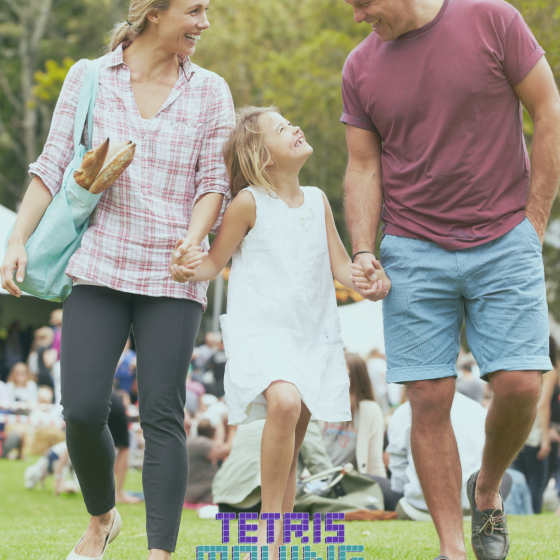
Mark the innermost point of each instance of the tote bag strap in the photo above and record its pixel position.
(86, 103)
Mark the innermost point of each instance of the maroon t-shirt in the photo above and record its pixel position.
(455, 168)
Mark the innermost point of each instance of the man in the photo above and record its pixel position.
(432, 103)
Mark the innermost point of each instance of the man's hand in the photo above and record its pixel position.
(540, 228)
(369, 278)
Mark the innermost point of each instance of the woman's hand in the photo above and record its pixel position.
(15, 258)
(184, 266)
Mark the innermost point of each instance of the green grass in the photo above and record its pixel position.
(37, 526)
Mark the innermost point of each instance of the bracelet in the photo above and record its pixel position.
(360, 252)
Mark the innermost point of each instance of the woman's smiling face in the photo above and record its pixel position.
(181, 26)
(285, 141)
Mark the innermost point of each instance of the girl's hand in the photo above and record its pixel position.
(185, 267)
(178, 254)
(374, 291)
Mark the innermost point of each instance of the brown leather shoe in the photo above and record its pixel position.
(490, 539)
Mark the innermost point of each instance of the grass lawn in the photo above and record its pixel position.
(37, 526)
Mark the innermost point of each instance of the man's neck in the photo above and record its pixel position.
(423, 12)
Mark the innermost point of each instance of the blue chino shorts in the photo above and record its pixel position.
(497, 288)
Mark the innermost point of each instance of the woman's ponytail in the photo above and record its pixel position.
(119, 35)
(136, 22)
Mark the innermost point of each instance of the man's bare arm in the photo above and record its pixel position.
(362, 183)
(364, 202)
(539, 94)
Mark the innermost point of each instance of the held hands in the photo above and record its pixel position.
(369, 278)
(185, 260)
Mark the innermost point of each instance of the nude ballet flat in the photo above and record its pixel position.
(115, 530)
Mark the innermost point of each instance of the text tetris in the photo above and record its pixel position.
(293, 525)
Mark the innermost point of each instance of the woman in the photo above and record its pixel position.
(360, 441)
(179, 115)
(20, 387)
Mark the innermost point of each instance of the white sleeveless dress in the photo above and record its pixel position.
(281, 321)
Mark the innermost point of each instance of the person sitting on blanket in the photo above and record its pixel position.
(402, 492)
(237, 484)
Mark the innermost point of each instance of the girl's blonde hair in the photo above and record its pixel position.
(134, 26)
(246, 154)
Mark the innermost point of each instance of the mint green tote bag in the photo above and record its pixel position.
(59, 234)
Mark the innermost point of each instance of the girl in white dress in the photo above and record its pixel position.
(281, 331)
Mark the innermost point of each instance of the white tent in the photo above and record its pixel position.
(26, 310)
(7, 219)
(362, 326)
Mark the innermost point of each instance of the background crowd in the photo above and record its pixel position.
(224, 460)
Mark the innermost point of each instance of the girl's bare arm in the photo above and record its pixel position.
(239, 218)
(343, 270)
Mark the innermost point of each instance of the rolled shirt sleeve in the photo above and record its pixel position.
(521, 51)
(211, 175)
(353, 110)
(59, 148)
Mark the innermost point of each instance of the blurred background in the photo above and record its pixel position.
(286, 52)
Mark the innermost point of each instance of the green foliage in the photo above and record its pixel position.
(290, 54)
(543, 17)
(286, 52)
(49, 83)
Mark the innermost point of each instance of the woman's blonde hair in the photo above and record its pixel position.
(245, 153)
(136, 22)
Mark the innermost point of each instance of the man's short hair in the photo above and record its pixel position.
(205, 429)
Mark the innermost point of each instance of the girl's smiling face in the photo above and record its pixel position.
(181, 26)
(286, 142)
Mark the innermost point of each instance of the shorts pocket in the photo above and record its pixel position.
(533, 233)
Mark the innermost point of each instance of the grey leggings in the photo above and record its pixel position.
(96, 324)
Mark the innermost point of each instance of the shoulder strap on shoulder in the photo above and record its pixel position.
(86, 102)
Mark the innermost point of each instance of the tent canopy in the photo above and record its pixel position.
(7, 219)
(362, 326)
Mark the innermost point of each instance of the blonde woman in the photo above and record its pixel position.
(20, 386)
(179, 115)
(359, 441)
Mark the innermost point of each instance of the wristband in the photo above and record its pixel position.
(360, 252)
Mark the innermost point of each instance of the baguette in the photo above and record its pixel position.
(91, 165)
(113, 168)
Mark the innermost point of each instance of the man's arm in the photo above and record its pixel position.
(539, 94)
(364, 200)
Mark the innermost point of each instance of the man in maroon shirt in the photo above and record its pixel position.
(432, 103)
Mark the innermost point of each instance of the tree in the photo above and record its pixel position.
(32, 32)
(29, 18)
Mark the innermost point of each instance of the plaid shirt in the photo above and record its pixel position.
(133, 229)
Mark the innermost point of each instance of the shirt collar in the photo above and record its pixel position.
(115, 58)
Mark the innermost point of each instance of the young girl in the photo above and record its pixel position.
(281, 331)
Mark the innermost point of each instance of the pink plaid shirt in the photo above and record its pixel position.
(133, 229)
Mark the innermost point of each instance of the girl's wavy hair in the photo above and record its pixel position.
(136, 22)
(246, 154)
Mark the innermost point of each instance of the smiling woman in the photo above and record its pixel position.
(180, 11)
(178, 115)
